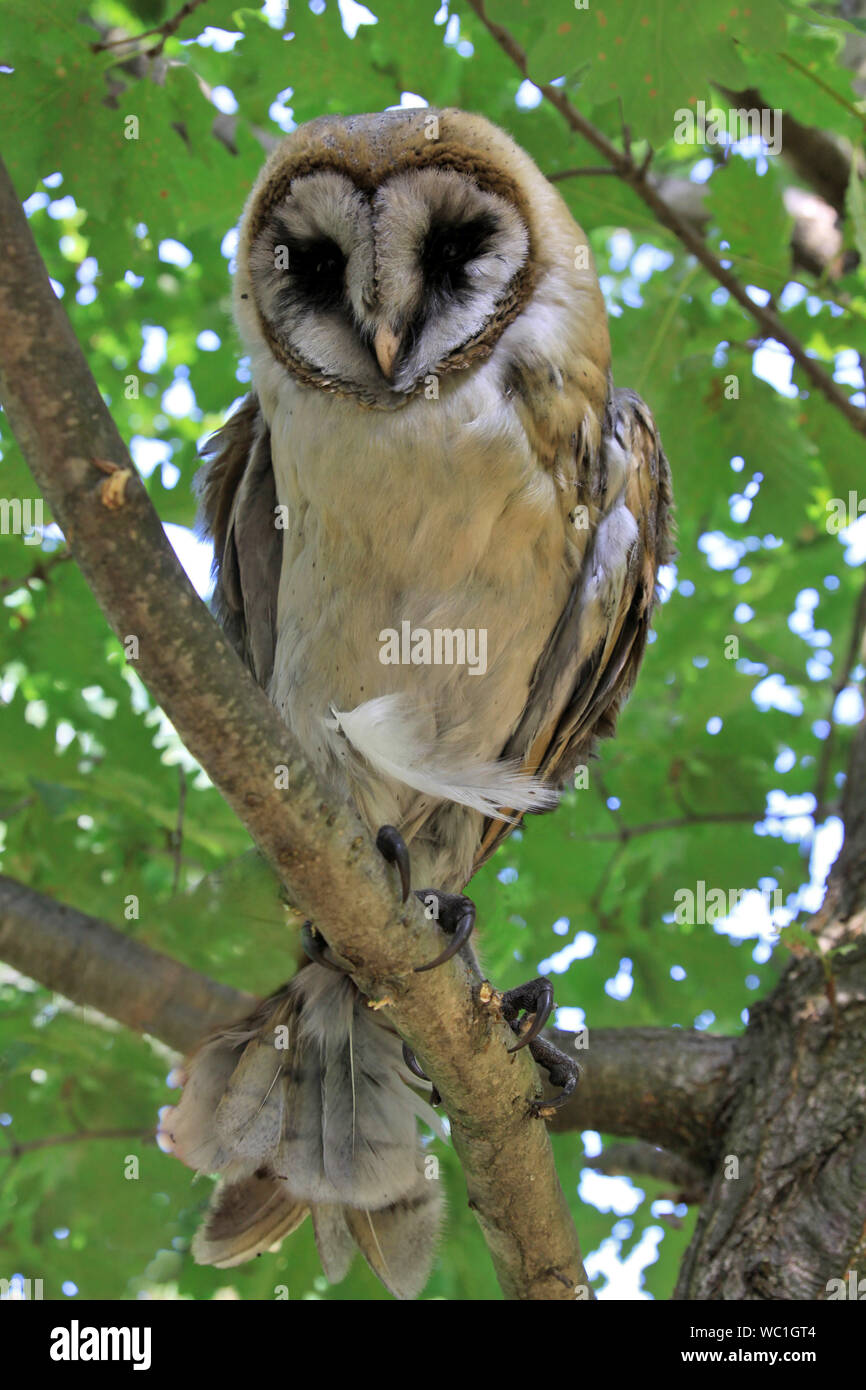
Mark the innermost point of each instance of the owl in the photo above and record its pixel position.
(437, 531)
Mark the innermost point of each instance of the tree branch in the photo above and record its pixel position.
(322, 854)
(635, 175)
(628, 832)
(668, 1086)
(646, 1160)
(165, 30)
(97, 966)
(16, 1149)
(843, 680)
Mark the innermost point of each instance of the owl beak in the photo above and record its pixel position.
(386, 345)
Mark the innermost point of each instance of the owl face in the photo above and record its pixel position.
(377, 290)
(374, 255)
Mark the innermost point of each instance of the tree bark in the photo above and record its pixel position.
(786, 1212)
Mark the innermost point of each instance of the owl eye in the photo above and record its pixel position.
(316, 269)
(448, 249)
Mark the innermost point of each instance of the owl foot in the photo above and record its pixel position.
(535, 998)
(392, 847)
(561, 1071)
(454, 913)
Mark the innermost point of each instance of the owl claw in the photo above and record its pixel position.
(536, 998)
(412, 1063)
(392, 847)
(455, 915)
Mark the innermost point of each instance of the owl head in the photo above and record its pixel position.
(376, 251)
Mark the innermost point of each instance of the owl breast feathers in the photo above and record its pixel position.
(437, 531)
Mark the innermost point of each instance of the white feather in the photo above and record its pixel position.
(386, 732)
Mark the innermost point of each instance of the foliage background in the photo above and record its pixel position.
(137, 236)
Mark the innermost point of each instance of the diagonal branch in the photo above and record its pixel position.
(635, 174)
(321, 853)
(165, 30)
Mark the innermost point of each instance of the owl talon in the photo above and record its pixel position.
(536, 998)
(455, 915)
(393, 849)
(412, 1063)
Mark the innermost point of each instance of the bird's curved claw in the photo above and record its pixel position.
(455, 915)
(535, 997)
(393, 849)
(412, 1063)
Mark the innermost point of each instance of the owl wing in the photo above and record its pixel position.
(591, 659)
(238, 503)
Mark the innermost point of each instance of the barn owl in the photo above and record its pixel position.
(437, 529)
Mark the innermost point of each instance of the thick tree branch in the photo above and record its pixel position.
(94, 964)
(668, 1086)
(321, 853)
(635, 175)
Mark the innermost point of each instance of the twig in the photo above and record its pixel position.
(635, 175)
(177, 834)
(165, 30)
(16, 1148)
(628, 832)
(589, 172)
(41, 570)
(844, 679)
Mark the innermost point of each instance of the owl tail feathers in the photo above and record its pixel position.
(306, 1107)
(389, 733)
